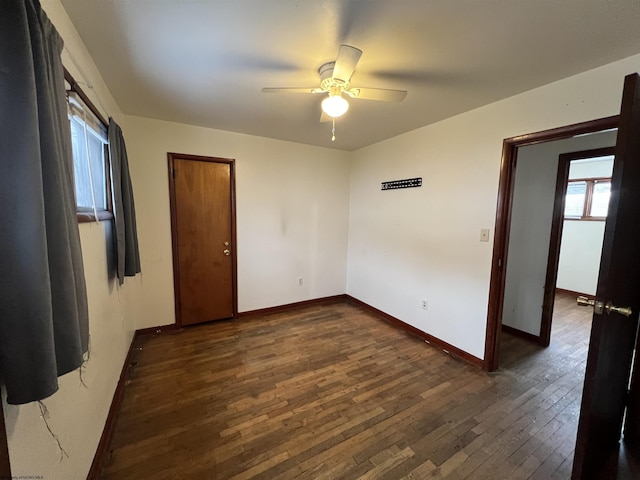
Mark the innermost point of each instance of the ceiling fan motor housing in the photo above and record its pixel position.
(327, 81)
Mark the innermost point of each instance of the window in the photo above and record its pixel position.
(575, 201)
(600, 198)
(90, 161)
(587, 199)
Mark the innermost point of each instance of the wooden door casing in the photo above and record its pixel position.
(503, 222)
(203, 234)
(557, 222)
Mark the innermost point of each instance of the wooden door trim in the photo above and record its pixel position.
(557, 223)
(174, 227)
(510, 148)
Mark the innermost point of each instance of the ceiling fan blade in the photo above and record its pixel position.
(324, 118)
(346, 62)
(293, 90)
(380, 94)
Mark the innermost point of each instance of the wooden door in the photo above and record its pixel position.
(613, 334)
(203, 238)
(5, 467)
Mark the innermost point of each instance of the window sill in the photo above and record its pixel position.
(87, 217)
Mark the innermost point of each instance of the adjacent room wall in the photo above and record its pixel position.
(424, 243)
(530, 233)
(532, 209)
(582, 240)
(292, 215)
(77, 412)
(580, 256)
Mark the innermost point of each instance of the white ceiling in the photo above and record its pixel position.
(205, 62)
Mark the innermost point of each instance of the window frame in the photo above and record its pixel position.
(588, 198)
(84, 216)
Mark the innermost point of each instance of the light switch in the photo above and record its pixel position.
(484, 234)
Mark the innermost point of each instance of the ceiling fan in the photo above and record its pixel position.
(335, 80)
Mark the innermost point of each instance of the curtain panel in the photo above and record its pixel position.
(126, 232)
(44, 325)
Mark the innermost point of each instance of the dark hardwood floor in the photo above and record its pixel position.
(334, 392)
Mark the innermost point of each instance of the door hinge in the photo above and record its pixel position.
(173, 172)
(499, 262)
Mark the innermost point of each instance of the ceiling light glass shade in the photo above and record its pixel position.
(335, 105)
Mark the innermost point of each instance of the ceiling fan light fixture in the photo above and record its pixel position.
(335, 105)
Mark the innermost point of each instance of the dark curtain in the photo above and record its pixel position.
(127, 253)
(44, 324)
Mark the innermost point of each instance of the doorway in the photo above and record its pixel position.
(202, 200)
(536, 228)
(512, 149)
(577, 228)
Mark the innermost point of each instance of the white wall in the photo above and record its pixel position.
(78, 413)
(533, 199)
(292, 215)
(581, 247)
(580, 252)
(424, 243)
(530, 232)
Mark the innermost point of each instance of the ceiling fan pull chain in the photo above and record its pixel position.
(333, 130)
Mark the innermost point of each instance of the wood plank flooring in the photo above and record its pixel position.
(334, 392)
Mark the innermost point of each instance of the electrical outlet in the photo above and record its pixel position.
(484, 235)
(425, 305)
(299, 280)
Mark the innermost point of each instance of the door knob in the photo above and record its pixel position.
(599, 307)
(626, 311)
(586, 301)
(226, 251)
